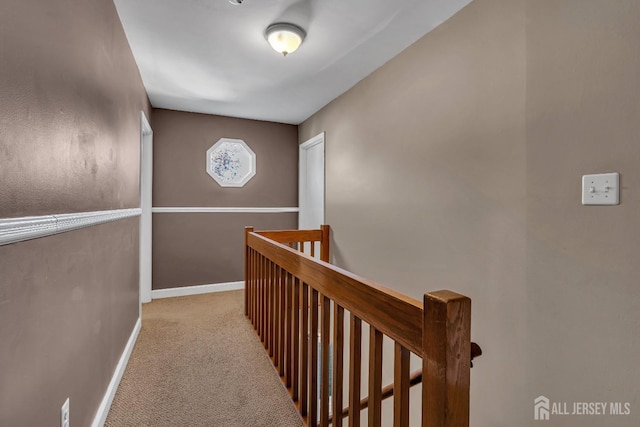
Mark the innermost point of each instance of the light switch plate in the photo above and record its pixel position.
(601, 189)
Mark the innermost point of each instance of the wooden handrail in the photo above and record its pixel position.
(300, 237)
(297, 305)
(286, 236)
(391, 312)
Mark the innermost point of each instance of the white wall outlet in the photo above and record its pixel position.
(601, 189)
(64, 414)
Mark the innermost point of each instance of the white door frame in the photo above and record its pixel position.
(302, 178)
(146, 186)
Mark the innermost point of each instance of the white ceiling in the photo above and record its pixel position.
(210, 56)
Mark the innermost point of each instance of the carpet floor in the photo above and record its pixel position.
(198, 362)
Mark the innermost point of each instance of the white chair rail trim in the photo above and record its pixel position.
(14, 230)
(223, 210)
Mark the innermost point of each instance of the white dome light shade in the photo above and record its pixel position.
(285, 38)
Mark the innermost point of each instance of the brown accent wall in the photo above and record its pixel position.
(72, 97)
(69, 141)
(69, 303)
(458, 165)
(206, 248)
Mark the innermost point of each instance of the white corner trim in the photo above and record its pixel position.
(222, 210)
(196, 290)
(14, 230)
(105, 405)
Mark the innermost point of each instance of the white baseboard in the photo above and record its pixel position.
(105, 405)
(196, 290)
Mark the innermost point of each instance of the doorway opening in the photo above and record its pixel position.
(311, 184)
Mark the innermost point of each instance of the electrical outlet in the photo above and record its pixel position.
(64, 414)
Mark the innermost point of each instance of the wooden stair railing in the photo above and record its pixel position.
(292, 298)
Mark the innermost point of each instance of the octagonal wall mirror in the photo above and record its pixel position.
(231, 163)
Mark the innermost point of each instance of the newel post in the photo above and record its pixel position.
(324, 243)
(446, 362)
(247, 287)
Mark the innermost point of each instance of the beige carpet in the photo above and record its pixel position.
(198, 362)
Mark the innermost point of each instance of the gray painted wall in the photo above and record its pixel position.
(207, 248)
(583, 269)
(458, 165)
(69, 141)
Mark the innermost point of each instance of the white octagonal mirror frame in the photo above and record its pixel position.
(231, 163)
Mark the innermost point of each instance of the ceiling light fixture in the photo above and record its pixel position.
(284, 38)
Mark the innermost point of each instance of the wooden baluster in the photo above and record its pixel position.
(263, 301)
(281, 321)
(248, 288)
(256, 278)
(295, 357)
(274, 321)
(247, 252)
(325, 331)
(272, 299)
(304, 349)
(355, 370)
(269, 344)
(324, 243)
(402, 358)
(254, 286)
(313, 360)
(261, 297)
(312, 248)
(288, 284)
(375, 378)
(446, 361)
(256, 317)
(338, 364)
(247, 281)
(249, 285)
(276, 318)
(272, 308)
